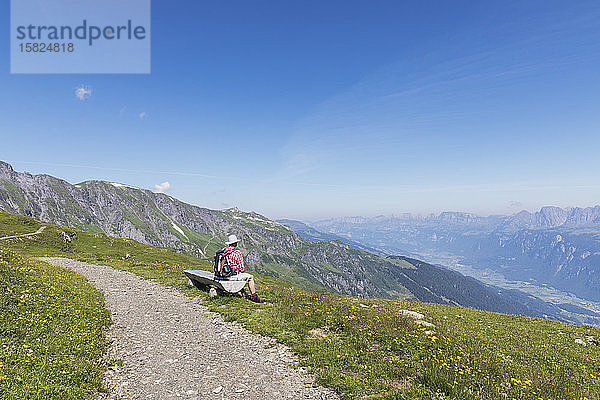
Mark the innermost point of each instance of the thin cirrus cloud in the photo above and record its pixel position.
(430, 105)
(141, 115)
(162, 187)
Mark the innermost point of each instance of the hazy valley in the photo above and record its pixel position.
(553, 253)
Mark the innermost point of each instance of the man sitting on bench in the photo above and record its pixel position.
(236, 261)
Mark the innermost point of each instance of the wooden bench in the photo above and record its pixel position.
(206, 280)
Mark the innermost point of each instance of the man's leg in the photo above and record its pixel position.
(250, 279)
(251, 285)
(253, 297)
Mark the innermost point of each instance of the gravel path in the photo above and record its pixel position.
(173, 347)
(25, 234)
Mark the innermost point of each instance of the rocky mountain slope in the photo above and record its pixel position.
(270, 247)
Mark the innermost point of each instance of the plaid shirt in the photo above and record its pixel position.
(235, 259)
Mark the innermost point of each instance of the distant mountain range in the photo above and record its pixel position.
(554, 246)
(270, 247)
(311, 233)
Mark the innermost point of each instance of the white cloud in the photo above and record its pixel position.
(162, 187)
(83, 92)
(143, 115)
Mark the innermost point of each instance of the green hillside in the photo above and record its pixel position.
(366, 349)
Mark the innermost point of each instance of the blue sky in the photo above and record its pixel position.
(312, 109)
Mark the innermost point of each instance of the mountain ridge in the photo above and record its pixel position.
(271, 248)
(545, 217)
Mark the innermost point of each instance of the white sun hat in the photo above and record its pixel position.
(232, 239)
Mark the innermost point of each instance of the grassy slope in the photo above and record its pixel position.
(52, 326)
(366, 348)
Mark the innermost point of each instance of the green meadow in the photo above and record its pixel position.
(52, 332)
(362, 348)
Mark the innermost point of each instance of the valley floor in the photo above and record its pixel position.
(173, 347)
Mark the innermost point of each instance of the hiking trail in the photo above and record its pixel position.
(174, 347)
(25, 234)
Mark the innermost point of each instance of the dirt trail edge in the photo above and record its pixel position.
(173, 347)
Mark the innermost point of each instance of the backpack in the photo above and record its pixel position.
(222, 267)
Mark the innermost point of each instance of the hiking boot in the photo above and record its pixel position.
(254, 298)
